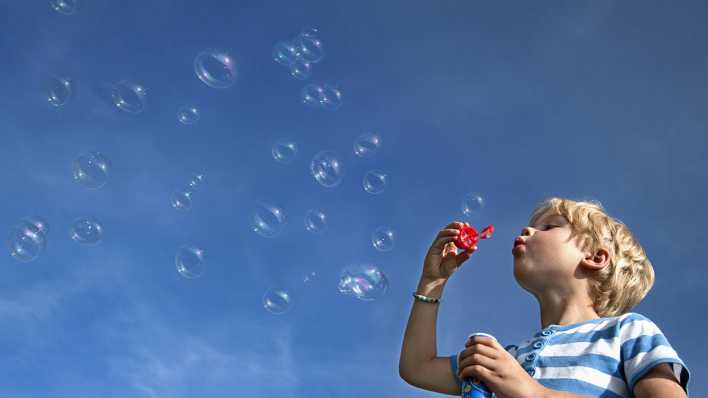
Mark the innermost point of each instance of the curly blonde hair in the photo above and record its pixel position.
(621, 285)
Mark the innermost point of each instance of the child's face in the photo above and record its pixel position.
(549, 257)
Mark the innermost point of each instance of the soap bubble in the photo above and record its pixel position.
(91, 170)
(40, 223)
(268, 220)
(327, 169)
(277, 301)
(284, 151)
(367, 144)
(59, 91)
(285, 53)
(300, 69)
(322, 96)
(26, 241)
(383, 239)
(196, 181)
(364, 282)
(315, 221)
(190, 262)
(129, 96)
(215, 68)
(312, 94)
(310, 32)
(375, 181)
(87, 231)
(311, 50)
(182, 200)
(188, 114)
(472, 203)
(332, 98)
(66, 7)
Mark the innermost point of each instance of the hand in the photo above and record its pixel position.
(442, 259)
(485, 359)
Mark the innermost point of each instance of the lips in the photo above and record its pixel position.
(518, 242)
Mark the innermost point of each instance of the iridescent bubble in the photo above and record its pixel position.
(26, 241)
(383, 239)
(59, 91)
(91, 170)
(284, 151)
(196, 181)
(285, 53)
(88, 231)
(327, 169)
(66, 7)
(182, 200)
(472, 203)
(311, 49)
(129, 96)
(312, 95)
(315, 221)
(190, 262)
(215, 68)
(268, 220)
(332, 98)
(364, 282)
(277, 301)
(188, 114)
(367, 144)
(375, 181)
(300, 69)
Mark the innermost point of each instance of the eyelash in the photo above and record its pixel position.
(549, 225)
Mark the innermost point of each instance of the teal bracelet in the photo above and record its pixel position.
(425, 299)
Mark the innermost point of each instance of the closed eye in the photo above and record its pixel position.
(549, 225)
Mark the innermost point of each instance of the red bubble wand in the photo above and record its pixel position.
(468, 236)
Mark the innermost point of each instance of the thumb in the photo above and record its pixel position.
(464, 256)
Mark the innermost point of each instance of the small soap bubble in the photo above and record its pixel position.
(188, 114)
(383, 239)
(375, 181)
(472, 204)
(312, 95)
(26, 241)
(327, 169)
(310, 31)
(311, 50)
(284, 151)
(322, 96)
(268, 220)
(215, 68)
(182, 200)
(40, 223)
(285, 53)
(277, 301)
(364, 282)
(367, 144)
(300, 69)
(315, 221)
(66, 7)
(332, 98)
(196, 181)
(91, 170)
(309, 278)
(88, 231)
(190, 262)
(59, 91)
(129, 96)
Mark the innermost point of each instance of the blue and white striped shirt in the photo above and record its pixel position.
(602, 357)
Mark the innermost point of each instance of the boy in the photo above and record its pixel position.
(586, 271)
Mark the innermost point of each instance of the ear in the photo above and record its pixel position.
(597, 261)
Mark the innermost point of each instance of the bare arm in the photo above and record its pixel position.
(419, 363)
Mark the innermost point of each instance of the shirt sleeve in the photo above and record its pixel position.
(643, 346)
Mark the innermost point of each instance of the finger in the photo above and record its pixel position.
(448, 232)
(478, 371)
(471, 356)
(485, 340)
(454, 224)
(440, 243)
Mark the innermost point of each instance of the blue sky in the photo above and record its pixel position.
(601, 100)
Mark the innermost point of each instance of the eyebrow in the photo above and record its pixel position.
(555, 216)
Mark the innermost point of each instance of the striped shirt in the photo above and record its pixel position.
(602, 357)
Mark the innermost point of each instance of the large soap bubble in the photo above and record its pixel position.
(91, 170)
(326, 168)
(88, 231)
(59, 91)
(367, 144)
(66, 7)
(129, 96)
(375, 181)
(215, 68)
(268, 220)
(383, 239)
(28, 239)
(277, 301)
(364, 282)
(190, 262)
(472, 204)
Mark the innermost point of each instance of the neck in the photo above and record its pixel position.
(565, 310)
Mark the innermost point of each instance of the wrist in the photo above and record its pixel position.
(431, 288)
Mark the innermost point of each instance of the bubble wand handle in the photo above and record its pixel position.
(472, 388)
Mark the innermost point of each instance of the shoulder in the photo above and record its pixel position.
(633, 324)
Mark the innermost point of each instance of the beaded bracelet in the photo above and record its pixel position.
(425, 299)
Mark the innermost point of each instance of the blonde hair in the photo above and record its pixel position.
(621, 285)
